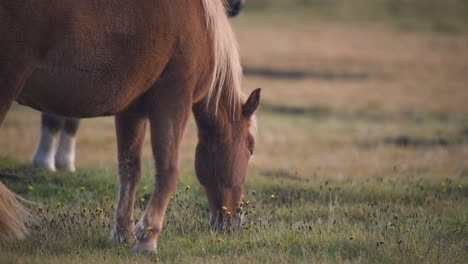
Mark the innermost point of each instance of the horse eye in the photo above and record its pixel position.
(251, 151)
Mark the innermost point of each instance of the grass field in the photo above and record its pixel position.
(362, 151)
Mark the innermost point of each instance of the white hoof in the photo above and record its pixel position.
(65, 165)
(43, 163)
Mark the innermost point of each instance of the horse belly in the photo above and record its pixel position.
(75, 93)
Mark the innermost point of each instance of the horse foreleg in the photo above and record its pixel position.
(130, 130)
(168, 118)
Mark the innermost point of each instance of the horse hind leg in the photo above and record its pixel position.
(18, 58)
(17, 61)
(45, 151)
(12, 214)
(65, 156)
(12, 81)
(130, 128)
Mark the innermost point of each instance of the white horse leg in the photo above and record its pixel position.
(65, 156)
(44, 155)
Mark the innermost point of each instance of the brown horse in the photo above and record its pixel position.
(140, 61)
(57, 142)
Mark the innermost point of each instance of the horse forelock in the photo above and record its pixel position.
(227, 72)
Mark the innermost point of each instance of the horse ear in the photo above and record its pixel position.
(252, 103)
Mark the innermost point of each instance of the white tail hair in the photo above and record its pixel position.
(12, 215)
(227, 73)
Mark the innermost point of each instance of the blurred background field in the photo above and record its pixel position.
(365, 106)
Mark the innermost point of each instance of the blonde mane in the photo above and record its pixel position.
(227, 73)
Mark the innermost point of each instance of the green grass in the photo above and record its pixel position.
(406, 218)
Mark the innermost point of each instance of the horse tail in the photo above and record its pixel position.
(13, 215)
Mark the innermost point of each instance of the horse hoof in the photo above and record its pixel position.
(65, 165)
(147, 248)
(120, 237)
(40, 162)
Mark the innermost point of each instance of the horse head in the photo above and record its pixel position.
(222, 156)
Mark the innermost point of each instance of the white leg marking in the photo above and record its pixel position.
(65, 156)
(44, 155)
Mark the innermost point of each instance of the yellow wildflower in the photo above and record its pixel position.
(352, 237)
(187, 187)
(149, 229)
(224, 208)
(142, 199)
(272, 196)
(30, 188)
